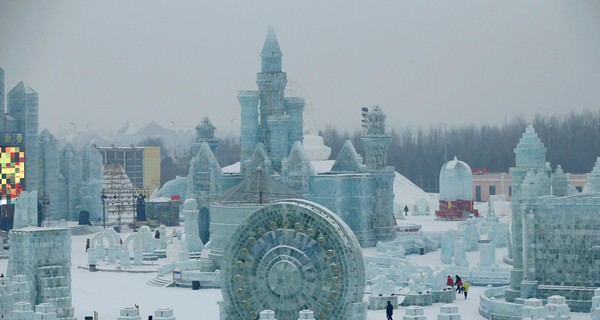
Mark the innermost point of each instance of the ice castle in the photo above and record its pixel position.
(272, 140)
(555, 236)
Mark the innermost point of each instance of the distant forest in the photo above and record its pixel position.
(573, 141)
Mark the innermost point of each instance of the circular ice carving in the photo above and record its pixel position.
(289, 256)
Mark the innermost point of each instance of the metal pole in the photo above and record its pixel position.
(103, 197)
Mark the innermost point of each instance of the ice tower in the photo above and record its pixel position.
(205, 132)
(376, 142)
(272, 143)
(530, 155)
(268, 116)
(48, 192)
(23, 106)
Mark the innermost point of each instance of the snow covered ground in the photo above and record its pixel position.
(108, 292)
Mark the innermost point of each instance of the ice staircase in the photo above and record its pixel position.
(161, 282)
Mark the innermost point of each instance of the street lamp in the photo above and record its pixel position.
(103, 199)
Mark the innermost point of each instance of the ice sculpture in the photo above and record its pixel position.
(279, 243)
(268, 116)
(554, 236)
(49, 268)
(192, 236)
(26, 213)
(22, 105)
(271, 138)
(456, 195)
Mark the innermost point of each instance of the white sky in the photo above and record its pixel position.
(100, 64)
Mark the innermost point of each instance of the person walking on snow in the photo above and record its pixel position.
(459, 284)
(465, 287)
(389, 310)
(405, 210)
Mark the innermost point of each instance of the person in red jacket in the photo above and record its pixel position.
(450, 282)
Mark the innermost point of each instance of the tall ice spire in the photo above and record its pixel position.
(271, 54)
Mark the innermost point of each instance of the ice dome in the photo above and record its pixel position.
(456, 181)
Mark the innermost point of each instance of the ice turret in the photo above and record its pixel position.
(560, 184)
(271, 54)
(530, 152)
(594, 178)
(271, 82)
(249, 124)
(205, 132)
(278, 144)
(375, 140)
(294, 107)
(530, 155)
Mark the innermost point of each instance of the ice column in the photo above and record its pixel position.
(447, 247)
(460, 252)
(487, 254)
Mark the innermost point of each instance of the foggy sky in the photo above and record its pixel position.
(100, 64)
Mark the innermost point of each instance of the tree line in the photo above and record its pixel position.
(418, 153)
(572, 140)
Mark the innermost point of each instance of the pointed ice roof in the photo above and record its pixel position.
(297, 159)
(259, 158)
(46, 136)
(205, 158)
(594, 177)
(530, 152)
(271, 54)
(348, 159)
(258, 188)
(22, 87)
(271, 46)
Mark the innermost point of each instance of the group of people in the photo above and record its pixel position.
(461, 286)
